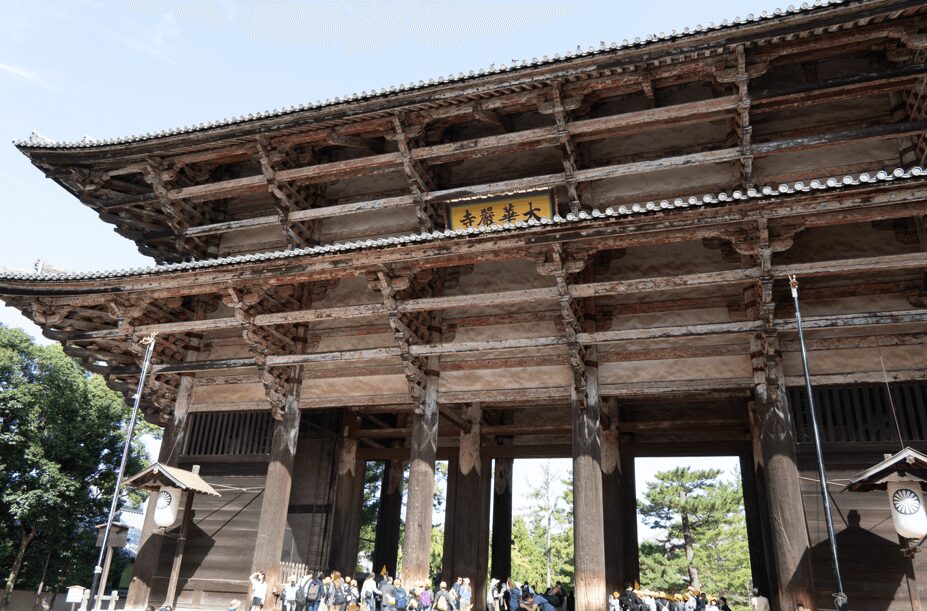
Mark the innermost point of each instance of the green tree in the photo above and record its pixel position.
(61, 435)
(705, 543)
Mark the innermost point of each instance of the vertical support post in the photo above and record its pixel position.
(416, 551)
(450, 520)
(349, 495)
(389, 514)
(106, 564)
(754, 520)
(613, 506)
(468, 547)
(275, 503)
(792, 550)
(478, 584)
(589, 541)
(171, 598)
(502, 519)
(632, 562)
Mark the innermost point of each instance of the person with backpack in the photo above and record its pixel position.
(310, 590)
(426, 596)
(368, 593)
(514, 598)
(338, 597)
(629, 600)
(388, 596)
(402, 598)
(443, 600)
(354, 596)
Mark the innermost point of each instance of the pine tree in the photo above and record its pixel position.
(689, 505)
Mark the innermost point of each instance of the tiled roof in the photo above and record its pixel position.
(643, 208)
(38, 141)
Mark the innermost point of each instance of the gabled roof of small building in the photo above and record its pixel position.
(158, 475)
(38, 141)
(908, 461)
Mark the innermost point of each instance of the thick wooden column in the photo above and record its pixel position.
(450, 520)
(268, 546)
(467, 543)
(630, 547)
(613, 516)
(478, 582)
(754, 519)
(502, 519)
(776, 440)
(589, 535)
(389, 516)
(416, 550)
(349, 496)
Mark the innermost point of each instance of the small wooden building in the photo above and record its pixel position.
(576, 256)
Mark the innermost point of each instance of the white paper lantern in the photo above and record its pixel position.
(168, 504)
(908, 511)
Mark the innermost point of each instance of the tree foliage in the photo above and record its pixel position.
(61, 436)
(705, 542)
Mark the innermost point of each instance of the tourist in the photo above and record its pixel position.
(649, 602)
(701, 601)
(712, 605)
(443, 600)
(466, 594)
(614, 601)
(326, 591)
(455, 592)
(629, 599)
(758, 602)
(402, 598)
(387, 596)
(723, 606)
(234, 605)
(258, 590)
(369, 592)
(662, 603)
(354, 596)
(514, 595)
(311, 586)
(426, 596)
(288, 601)
(338, 597)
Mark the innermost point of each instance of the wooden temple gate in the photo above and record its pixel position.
(581, 257)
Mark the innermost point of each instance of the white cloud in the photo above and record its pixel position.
(20, 72)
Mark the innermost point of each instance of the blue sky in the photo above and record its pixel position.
(105, 69)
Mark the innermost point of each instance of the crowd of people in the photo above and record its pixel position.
(335, 592)
(636, 599)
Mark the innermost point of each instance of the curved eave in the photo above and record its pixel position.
(340, 256)
(367, 105)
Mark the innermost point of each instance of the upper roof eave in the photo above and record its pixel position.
(13, 283)
(267, 120)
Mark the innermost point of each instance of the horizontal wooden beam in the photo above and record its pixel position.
(577, 291)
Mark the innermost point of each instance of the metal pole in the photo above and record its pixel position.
(126, 447)
(840, 598)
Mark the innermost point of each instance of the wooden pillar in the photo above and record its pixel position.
(467, 544)
(268, 546)
(502, 519)
(416, 550)
(775, 437)
(754, 519)
(389, 515)
(630, 548)
(450, 520)
(478, 581)
(589, 536)
(613, 517)
(792, 551)
(170, 599)
(349, 496)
